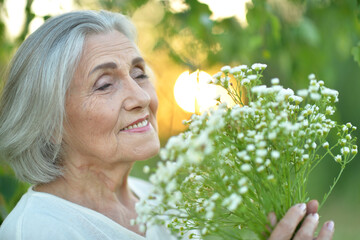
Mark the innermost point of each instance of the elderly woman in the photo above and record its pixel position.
(77, 111)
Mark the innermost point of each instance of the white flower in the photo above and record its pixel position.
(302, 92)
(225, 82)
(217, 76)
(272, 135)
(146, 169)
(245, 82)
(215, 196)
(338, 158)
(259, 160)
(242, 181)
(237, 71)
(241, 154)
(261, 168)
(177, 196)
(163, 154)
(243, 189)
(333, 94)
(245, 167)
(267, 162)
(243, 67)
(345, 128)
(250, 147)
(260, 90)
(204, 231)
(305, 157)
(314, 87)
(209, 214)
(225, 151)
(270, 177)
(330, 110)
(315, 96)
(311, 76)
(225, 69)
(232, 202)
(241, 146)
(284, 94)
(258, 66)
(261, 152)
(345, 151)
(275, 81)
(297, 99)
(132, 222)
(142, 228)
(275, 154)
(252, 77)
(171, 186)
(240, 136)
(261, 144)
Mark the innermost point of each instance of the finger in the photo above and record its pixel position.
(287, 225)
(272, 219)
(327, 231)
(312, 206)
(308, 227)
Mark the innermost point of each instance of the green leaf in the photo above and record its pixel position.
(8, 187)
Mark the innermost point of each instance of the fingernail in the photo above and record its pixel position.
(302, 206)
(315, 216)
(330, 225)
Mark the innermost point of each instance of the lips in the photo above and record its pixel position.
(137, 124)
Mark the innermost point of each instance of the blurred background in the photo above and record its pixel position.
(178, 37)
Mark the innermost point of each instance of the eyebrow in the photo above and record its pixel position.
(137, 61)
(112, 65)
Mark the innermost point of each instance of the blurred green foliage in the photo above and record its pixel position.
(293, 37)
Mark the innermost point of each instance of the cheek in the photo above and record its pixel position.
(91, 120)
(154, 101)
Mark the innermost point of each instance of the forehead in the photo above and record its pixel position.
(112, 46)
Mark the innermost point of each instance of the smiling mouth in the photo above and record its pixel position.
(137, 125)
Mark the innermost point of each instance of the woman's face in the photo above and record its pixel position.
(111, 104)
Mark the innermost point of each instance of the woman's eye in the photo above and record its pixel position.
(142, 76)
(104, 87)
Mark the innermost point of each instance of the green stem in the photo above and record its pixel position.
(332, 186)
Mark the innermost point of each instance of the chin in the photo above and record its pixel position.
(141, 153)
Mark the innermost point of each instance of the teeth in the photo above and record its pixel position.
(137, 125)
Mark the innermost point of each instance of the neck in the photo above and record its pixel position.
(98, 187)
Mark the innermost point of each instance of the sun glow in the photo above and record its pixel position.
(15, 15)
(229, 8)
(194, 94)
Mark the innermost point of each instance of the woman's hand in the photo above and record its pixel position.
(284, 229)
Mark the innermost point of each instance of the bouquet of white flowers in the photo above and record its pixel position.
(235, 165)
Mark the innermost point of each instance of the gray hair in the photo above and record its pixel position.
(32, 105)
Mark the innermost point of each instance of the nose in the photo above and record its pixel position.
(136, 96)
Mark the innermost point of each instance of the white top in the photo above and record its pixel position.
(43, 216)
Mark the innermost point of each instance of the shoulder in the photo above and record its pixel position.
(43, 216)
(33, 218)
